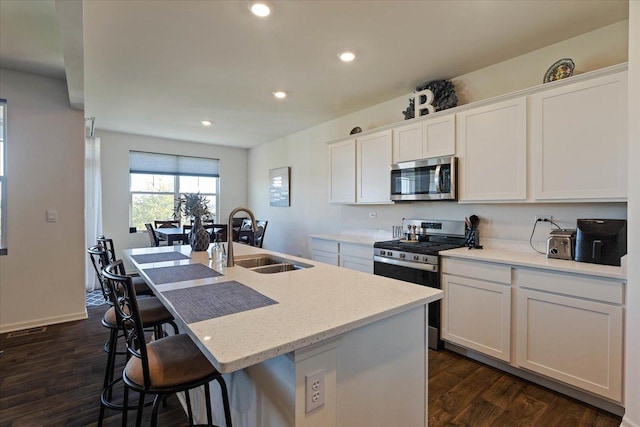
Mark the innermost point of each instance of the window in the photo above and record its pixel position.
(3, 177)
(157, 180)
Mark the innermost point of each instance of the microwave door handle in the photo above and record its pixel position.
(437, 179)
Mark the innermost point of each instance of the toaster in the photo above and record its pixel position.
(561, 244)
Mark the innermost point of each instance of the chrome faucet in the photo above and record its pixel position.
(254, 227)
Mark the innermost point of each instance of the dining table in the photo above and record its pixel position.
(171, 235)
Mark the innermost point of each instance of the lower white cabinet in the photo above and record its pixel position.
(477, 313)
(564, 326)
(325, 251)
(575, 340)
(356, 257)
(348, 255)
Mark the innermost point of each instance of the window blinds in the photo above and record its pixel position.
(169, 164)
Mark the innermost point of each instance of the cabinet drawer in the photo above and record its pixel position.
(595, 288)
(324, 245)
(358, 251)
(477, 270)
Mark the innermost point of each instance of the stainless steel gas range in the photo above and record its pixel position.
(415, 259)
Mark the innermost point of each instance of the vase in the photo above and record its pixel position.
(198, 236)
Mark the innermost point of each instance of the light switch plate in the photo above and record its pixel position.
(52, 215)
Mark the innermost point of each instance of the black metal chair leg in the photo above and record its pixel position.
(207, 396)
(189, 410)
(225, 400)
(125, 405)
(154, 412)
(140, 409)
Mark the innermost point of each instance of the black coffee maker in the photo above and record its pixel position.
(601, 241)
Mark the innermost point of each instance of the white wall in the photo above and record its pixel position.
(632, 357)
(115, 149)
(306, 153)
(42, 276)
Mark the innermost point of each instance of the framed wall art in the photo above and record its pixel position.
(279, 186)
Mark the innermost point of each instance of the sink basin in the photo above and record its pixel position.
(269, 264)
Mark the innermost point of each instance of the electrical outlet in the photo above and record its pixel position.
(546, 218)
(373, 215)
(314, 391)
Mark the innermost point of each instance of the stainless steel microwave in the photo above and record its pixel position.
(426, 179)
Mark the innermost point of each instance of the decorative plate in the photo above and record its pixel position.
(559, 70)
(355, 130)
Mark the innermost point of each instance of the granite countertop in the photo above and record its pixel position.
(312, 305)
(535, 260)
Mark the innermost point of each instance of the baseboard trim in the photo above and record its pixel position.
(18, 326)
(582, 396)
(626, 422)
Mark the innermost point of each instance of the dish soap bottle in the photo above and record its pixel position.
(217, 250)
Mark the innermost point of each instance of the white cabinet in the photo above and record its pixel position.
(373, 181)
(325, 251)
(359, 169)
(491, 145)
(476, 310)
(576, 339)
(356, 257)
(353, 256)
(579, 140)
(342, 172)
(424, 139)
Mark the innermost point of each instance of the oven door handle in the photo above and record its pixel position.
(408, 264)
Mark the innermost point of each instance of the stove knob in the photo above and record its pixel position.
(402, 255)
(383, 253)
(416, 257)
(425, 259)
(389, 253)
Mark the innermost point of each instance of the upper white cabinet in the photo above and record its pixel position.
(359, 169)
(491, 145)
(374, 160)
(342, 172)
(424, 139)
(579, 140)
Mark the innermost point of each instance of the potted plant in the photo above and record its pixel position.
(196, 207)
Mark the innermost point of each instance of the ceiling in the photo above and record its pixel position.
(159, 68)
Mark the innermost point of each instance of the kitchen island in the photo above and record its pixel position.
(363, 336)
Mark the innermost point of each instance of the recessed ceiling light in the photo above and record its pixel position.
(206, 122)
(260, 8)
(347, 56)
(280, 94)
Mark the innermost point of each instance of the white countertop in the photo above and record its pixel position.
(532, 259)
(355, 237)
(314, 304)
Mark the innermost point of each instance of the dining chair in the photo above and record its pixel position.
(248, 236)
(153, 314)
(164, 366)
(153, 237)
(141, 286)
(220, 229)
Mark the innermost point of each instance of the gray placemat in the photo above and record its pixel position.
(163, 256)
(180, 273)
(215, 300)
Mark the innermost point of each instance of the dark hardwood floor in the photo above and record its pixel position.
(54, 378)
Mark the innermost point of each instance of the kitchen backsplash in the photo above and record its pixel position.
(501, 222)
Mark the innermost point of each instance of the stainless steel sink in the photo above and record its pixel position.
(269, 264)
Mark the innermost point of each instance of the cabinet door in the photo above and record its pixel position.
(356, 257)
(491, 145)
(579, 140)
(373, 171)
(325, 251)
(477, 315)
(439, 136)
(342, 172)
(572, 340)
(407, 142)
